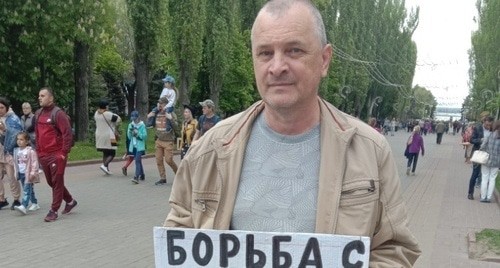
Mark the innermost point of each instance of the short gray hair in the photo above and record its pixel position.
(280, 7)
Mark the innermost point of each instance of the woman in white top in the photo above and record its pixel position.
(106, 134)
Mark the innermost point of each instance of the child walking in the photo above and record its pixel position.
(128, 156)
(137, 134)
(26, 170)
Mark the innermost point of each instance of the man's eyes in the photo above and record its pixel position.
(290, 52)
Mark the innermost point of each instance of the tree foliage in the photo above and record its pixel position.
(128, 45)
(485, 61)
(148, 19)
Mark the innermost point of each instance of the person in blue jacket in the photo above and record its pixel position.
(138, 135)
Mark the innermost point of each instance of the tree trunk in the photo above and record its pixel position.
(183, 87)
(141, 86)
(81, 54)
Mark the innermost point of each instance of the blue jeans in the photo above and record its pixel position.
(28, 191)
(139, 170)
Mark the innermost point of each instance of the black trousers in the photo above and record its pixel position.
(476, 173)
(412, 157)
(439, 138)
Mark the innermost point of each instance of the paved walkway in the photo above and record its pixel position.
(113, 223)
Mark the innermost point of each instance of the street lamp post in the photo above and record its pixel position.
(375, 101)
(487, 97)
(344, 93)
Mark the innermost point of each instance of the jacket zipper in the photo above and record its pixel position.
(203, 204)
(220, 205)
(369, 189)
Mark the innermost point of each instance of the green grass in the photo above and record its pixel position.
(86, 150)
(497, 182)
(491, 237)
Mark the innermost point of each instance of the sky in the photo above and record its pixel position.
(443, 38)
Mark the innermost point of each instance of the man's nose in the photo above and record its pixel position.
(279, 64)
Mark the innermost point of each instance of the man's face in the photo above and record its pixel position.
(487, 124)
(45, 99)
(206, 110)
(288, 58)
(26, 110)
(161, 106)
(3, 110)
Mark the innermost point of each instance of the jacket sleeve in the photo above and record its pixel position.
(180, 214)
(64, 126)
(14, 126)
(484, 144)
(476, 137)
(34, 165)
(143, 134)
(392, 245)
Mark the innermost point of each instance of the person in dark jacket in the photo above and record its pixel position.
(415, 143)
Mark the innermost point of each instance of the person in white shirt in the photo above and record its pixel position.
(170, 92)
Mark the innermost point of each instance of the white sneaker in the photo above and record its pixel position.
(105, 170)
(34, 207)
(21, 209)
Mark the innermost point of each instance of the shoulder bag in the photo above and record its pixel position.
(114, 141)
(480, 157)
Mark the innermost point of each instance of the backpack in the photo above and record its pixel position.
(53, 121)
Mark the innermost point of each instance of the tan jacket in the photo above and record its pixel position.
(359, 187)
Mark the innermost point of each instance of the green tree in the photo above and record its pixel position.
(187, 30)
(485, 60)
(51, 44)
(227, 60)
(148, 19)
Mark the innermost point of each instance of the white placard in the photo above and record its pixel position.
(180, 247)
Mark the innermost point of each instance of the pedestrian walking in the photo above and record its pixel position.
(393, 126)
(54, 141)
(415, 144)
(26, 170)
(207, 120)
(440, 128)
(107, 134)
(137, 134)
(165, 124)
(293, 162)
(10, 126)
(188, 130)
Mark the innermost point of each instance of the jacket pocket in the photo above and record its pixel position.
(205, 204)
(359, 191)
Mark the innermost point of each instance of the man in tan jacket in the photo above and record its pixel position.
(293, 162)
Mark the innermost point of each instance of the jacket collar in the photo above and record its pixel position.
(335, 136)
